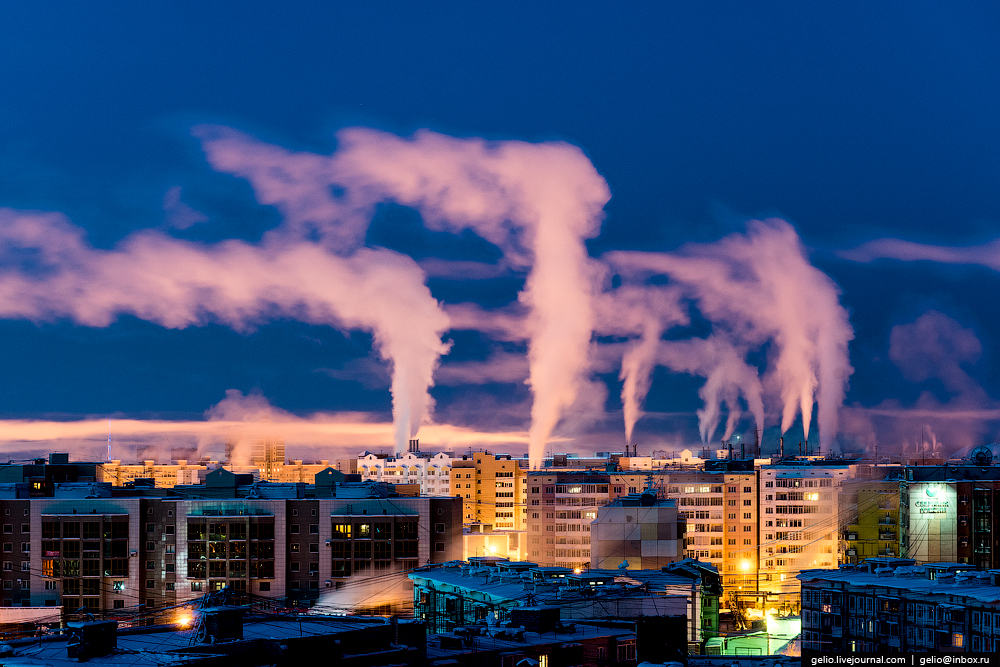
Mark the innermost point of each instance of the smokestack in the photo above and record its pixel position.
(756, 443)
(800, 448)
(743, 451)
(807, 448)
(781, 448)
(414, 445)
(635, 449)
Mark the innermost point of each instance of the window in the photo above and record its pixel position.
(25, 528)
(314, 548)
(169, 529)
(196, 586)
(294, 529)
(170, 548)
(747, 489)
(169, 586)
(439, 527)
(25, 547)
(439, 546)
(150, 564)
(169, 567)
(150, 584)
(150, 546)
(25, 566)
(295, 512)
(293, 547)
(50, 585)
(312, 512)
(264, 587)
(294, 567)
(314, 529)
(150, 527)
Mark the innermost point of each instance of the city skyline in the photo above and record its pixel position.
(762, 218)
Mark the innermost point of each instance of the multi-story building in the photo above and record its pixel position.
(267, 455)
(561, 507)
(800, 524)
(164, 475)
(700, 498)
(721, 509)
(946, 514)
(432, 472)
(873, 523)
(461, 594)
(889, 605)
(639, 531)
(90, 548)
(492, 488)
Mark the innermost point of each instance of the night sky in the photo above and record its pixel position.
(873, 129)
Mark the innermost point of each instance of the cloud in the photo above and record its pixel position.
(502, 367)
(178, 214)
(936, 346)
(987, 254)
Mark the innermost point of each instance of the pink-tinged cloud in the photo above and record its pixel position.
(504, 368)
(936, 346)
(987, 254)
(178, 284)
(759, 287)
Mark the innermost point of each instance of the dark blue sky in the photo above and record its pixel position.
(854, 122)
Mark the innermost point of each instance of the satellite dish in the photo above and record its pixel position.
(981, 456)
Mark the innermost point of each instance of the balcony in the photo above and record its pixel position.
(887, 522)
(887, 536)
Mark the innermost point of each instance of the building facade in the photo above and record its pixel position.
(889, 605)
(432, 472)
(492, 488)
(118, 553)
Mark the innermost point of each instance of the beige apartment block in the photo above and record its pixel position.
(164, 475)
(493, 489)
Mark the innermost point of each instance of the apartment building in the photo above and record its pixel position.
(873, 519)
(638, 530)
(492, 488)
(891, 605)
(432, 472)
(87, 549)
(947, 514)
(164, 475)
(701, 500)
(561, 507)
(800, 524)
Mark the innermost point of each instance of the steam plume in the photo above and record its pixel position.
(537, 202)
(756, 288)
(178, 284)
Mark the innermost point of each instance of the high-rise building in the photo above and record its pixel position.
(561, 507)
(800, 524)
(492, 488)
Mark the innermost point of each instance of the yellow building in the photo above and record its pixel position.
(741, 535)
(297, 471)
(164, 475)
(493, 488)
(873, 523)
